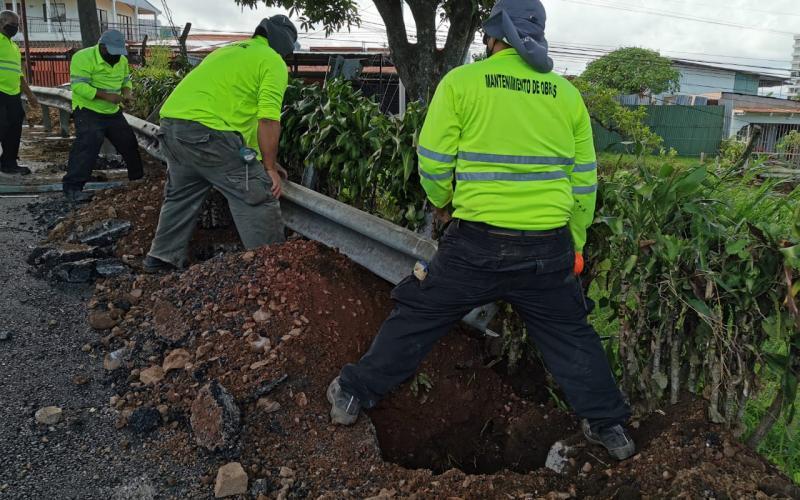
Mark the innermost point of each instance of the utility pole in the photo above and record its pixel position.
(90, 25)
(28, 71)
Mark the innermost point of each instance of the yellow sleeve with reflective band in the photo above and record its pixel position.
(126, 82)
(274, 80)
(583, 178)
(80, 75)
(438, 145)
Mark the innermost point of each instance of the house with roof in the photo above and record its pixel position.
(56, 21)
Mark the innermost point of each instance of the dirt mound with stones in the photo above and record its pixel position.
(140, 203)
(229, 362)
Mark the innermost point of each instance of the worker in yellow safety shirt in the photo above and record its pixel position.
(516, 140)
(101, 81)
(221, 128)
(12, 81)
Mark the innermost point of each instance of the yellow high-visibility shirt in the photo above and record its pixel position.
(10, 66)
(517, 143)
(90, 73)
(233, 88)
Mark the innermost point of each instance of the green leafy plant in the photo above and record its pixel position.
(696, 282)
(154, 82)
(420, 386)
(363, 157)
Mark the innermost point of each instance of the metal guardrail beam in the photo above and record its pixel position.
(386, 249)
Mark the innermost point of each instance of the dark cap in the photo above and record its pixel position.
(281, 34)
(114, 42)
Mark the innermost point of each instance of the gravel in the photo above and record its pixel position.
(83, 456)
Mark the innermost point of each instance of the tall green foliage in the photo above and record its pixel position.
(362, 156)
(153, 82)
(697, 280)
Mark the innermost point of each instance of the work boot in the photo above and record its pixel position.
(77, 196)
(16, 170)
(613, 438)
(153, 265)
(344, 407)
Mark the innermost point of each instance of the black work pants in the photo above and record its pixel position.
(11, 117)
(91, 129)
(475, 267)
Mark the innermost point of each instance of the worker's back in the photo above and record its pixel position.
(515, 135)
(232, 88)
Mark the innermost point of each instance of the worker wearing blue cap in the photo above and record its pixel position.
(101, 80)
(523, 197)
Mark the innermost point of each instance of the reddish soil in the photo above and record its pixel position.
(476, 433)
(319, 311)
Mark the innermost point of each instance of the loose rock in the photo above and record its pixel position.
(215, 419)
(144, 420)
(152, 375)
(231, 480)
(176, 360)
(101, 320)
(49, 415)
(267, 405)
(168, 322)
(5, 335)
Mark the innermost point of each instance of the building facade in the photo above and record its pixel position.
(794, 88)
(54, 21)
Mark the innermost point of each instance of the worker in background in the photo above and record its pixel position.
(221, 128)
(517, 140)
(11, 81)
(101, 81)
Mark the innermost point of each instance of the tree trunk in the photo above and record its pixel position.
(422, 65)
(90, 25)
(767, 421)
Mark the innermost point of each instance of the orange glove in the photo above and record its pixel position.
(578, 263)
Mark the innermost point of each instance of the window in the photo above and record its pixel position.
(58, 12)
(102, 18)
(125, 25)
(10, 6)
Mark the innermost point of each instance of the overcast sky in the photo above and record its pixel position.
(587, 23)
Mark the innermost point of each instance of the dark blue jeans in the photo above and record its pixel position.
(91, 129)
(475, 267)
(11, 117)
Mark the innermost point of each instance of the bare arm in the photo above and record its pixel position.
(269, 136)
(32, 100)
(108, 96)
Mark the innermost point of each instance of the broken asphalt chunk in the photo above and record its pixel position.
(106, 233)
(215, 420)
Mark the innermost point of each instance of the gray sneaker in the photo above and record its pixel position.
(344, 407)
(614, 439)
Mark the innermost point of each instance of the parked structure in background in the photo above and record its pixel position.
(794, 88)
(698, 79)
(56, 21)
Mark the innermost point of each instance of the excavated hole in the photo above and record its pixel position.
(463, 422)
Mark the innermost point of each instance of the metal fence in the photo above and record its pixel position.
(68, 29)
(50, 69)
(770, 138)
(690, 130)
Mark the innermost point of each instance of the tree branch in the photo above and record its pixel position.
(391, 12)
(464, 22)
(424, 12)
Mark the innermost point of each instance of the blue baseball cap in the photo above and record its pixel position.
(115, 43)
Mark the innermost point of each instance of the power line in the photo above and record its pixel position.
(677, 16)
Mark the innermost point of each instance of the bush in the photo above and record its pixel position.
(362, 157)
(696, 281)
(154, 82)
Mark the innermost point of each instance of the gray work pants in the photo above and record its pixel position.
(199, 158)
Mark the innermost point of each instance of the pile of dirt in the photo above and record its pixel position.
(234, 355)
(140, 203)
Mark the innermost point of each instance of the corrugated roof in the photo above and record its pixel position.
(778, 111)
